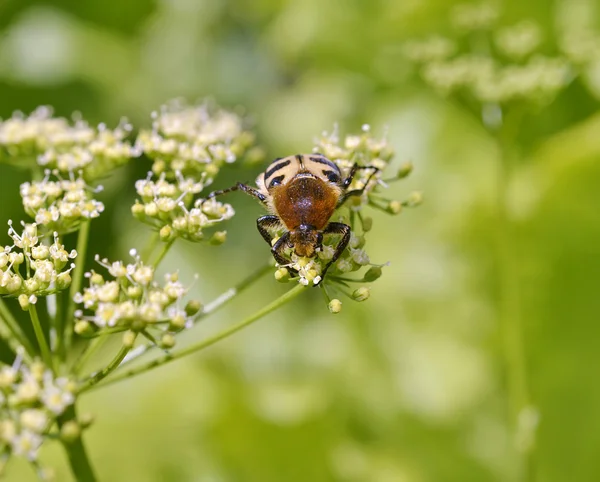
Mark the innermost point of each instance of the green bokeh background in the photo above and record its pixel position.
(408, 386)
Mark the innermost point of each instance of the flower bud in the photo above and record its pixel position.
(367, 223)
(335, 306)
(166, 233)
(63, 281)
(86, 419)
(96, 279)
(83, 327)
(361, 294)
(218, 238)
(167, 341)
(415, 198)
(159, 166)
(192, 307)
(138, 210)
(135, 292)
(405, 170)
(394, 207)
(14, 284)
(282, 275)
(70, 431)
(24, 301)
(129, 339)
(372, 274)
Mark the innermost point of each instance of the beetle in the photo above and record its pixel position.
(301, 193)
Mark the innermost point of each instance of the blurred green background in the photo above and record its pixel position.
(406, 387)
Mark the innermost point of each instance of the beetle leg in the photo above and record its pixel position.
(345, 231)
(255, 193)
(346, 182)
(278, 247)
(265, 222)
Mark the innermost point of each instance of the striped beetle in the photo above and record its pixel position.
(301, 193)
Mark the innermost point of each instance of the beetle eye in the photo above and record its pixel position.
(276, 181)
(333, 177)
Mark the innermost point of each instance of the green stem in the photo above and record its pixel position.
(41, 338)
(14, 328)
(511, 323)
(163, 252)
(282, 300)
(149, 248)
(79, 461)
(90, 349)
(219, 302)
(66, 335)
(112, 366)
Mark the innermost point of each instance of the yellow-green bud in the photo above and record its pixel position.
(70, 431)
(405, 170)
(361, 294)
(335, 306)
(96, 279)
(83, 327)
(159, 166)
(218, 238)
(282, 275)
(86, 419)
(415, 198)
(367, 223)
(211, 169)
(192, 307)
(135, 292)
(138, 210)
(372, 274)
(394, 207)
(129, 339)
(24, 301)
(167, 341)
(63, 281)
(32, 285)
(166, 233)
(14, 284)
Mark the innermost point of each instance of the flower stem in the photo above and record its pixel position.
(219, 302)
(66, 330)
(112, 366)
(41, 338)
(149, 248)
(282, 300)
(163, 252)
(511, 323)
(76, 453)
(85, 356)
(14, 328)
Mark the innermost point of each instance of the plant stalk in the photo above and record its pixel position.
(79, 461)
(282, 300)
(64, 341)
(41, 337)
(15, 330)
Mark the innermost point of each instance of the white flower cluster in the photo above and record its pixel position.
(31, 268)
(66, 146)
(60, 204)
(502, 66)
(132, 299)
(194, 140)
(169, 206)
(30, 400)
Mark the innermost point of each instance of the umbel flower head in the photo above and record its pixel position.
(188, 146)
(31, 268)
(506, 68)
(194, 140)
(363, 149)
(67, 146)
(60, 204)
(131, 299)
(31, 398)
